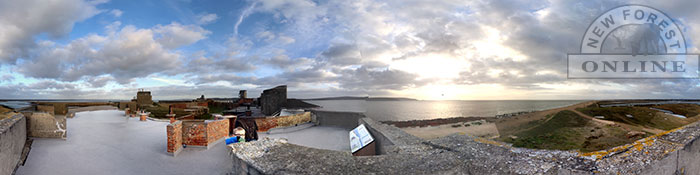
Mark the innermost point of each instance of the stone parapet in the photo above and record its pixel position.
(672, 152)
(13, 135)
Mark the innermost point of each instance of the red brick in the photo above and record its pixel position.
(174, 131)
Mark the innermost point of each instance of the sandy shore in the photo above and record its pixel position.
(490, 127)
(479, 128)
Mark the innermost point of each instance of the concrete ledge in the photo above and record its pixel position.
(13, 136)
(177, 152)
(346, 120)
(45, 125)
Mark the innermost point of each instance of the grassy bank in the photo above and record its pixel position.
(567, 130)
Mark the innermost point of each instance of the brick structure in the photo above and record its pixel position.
(194, 133)
(216, 130)
(143, 117)
(133, 108)
(268, 123)
(204, 133)
(272, 100)
(174, 131)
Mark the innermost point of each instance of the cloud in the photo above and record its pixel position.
(21, 21)
(207, 18)
(98, 82)
(244, 15)
(6, 78)
(125, 54)
(116, 12)
(175, 35)
(331, 47)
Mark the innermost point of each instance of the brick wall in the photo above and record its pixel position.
(268, 123)
(174, 131)
(203, 133)
(216, 129)
(194, 133)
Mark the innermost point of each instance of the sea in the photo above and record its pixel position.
(426, 109)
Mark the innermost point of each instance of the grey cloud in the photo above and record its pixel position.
(342, 54)
(101, 81)
(6, 78)
(373, 80)
(20, 21)
(126, 54)
(47, 84)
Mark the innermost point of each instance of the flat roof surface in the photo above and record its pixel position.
(309, 135)
(106, 142)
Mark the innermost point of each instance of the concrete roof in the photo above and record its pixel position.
(106, 142)
(321, 137)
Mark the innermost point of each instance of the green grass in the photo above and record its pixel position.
(207, 116)
(688, 110)
(567, 130)
(216, 109)
(642, 116)
(562, 131)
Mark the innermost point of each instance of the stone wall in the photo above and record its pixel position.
(45, 125)
(143, 98)
(386, 137)
(45, 108)
(174, 131)
(13, 135)
(271, 100)
(60, 108)
(345, 120)
(673, 152)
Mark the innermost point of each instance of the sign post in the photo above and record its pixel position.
(361, 142)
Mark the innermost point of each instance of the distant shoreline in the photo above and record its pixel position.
(363, 98)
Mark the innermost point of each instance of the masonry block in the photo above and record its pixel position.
(174, 131)
(216, 130)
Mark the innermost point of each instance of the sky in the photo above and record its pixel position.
(423, 49)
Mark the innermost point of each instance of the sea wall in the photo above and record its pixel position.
(13, 135)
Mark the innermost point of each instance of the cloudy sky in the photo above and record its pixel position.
(424, 49)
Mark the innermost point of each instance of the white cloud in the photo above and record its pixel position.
(175, 35)
(116, 12)
(125, 54)
(207, 19)
(21, 21)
